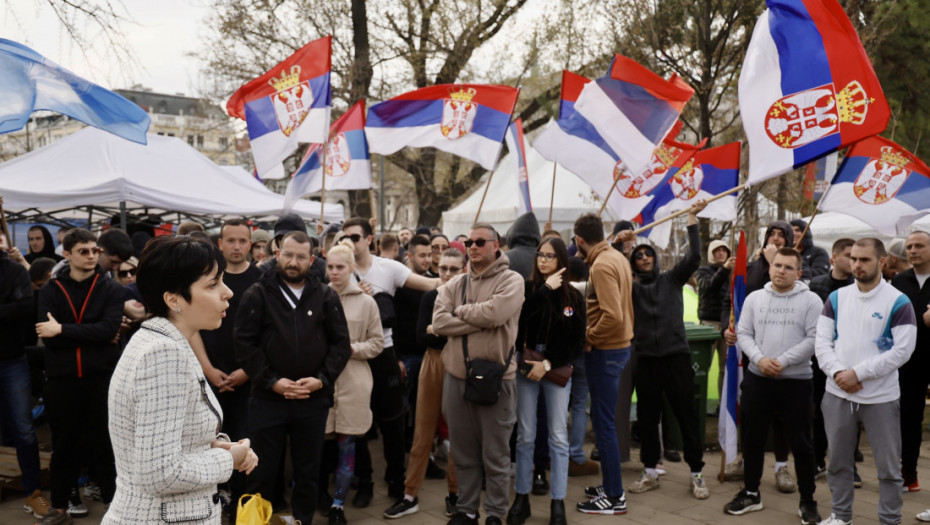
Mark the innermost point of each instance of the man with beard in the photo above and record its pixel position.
(292, 339)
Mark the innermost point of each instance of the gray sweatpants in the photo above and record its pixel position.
(881, 421)
(479, 438)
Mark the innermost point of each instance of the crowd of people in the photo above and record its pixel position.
(170, 365)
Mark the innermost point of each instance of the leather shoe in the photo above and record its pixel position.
(519, 511)
(557, 512)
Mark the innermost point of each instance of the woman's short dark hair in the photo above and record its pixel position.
(173, 264)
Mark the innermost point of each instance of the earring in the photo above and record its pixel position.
(179, 310)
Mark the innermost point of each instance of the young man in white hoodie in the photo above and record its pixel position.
(866, 331)
(776, 332)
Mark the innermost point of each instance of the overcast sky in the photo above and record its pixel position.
(165, 31)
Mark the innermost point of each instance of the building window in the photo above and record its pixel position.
(190, 140)
(224, 143)
(162, 133)
(41, 141)
(199, 141)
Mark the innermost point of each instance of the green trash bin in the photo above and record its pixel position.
(701, 339)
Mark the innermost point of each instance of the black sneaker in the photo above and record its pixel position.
(743, 502)
(434, 472)
(337, 516)
(857, 479)
(821, 472)
(603, 505)
(540, 484)
(460, 518)
(594, 492)
(595, 455)
(452, 501)
(324, 502)
(403, 507)
(808, 513)
(364, 494)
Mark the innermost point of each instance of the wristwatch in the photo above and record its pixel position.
(547, 366)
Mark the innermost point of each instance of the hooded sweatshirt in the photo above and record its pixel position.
(780, 326)
(814, 257)
(658, 307)
(48, 250)
(488, 316)
(523, 238)
(713, 284)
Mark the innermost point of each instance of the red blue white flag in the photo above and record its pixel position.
(710, 172)
(287, 105)
(728, 426)
(345, 164)
(882, 184)
(817, 176)
(633, 109)
(806, 88)
(468, 120)
(517, 148)
(574, 143)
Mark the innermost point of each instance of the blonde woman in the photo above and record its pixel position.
(351, 412)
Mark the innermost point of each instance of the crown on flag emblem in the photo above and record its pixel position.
(852, 103)
(894, 157)
(666, 154)
(686, 183)
(286, 80)
(458, 112)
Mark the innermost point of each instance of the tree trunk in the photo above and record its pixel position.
(362, 72)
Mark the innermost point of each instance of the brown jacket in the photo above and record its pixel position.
(351, 412)
(489, 318)
(609, 298)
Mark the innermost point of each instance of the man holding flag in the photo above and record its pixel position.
(776, 332)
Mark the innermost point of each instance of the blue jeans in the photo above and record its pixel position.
(578, 406)
(604, 368)
(557, 409)
(16, 418)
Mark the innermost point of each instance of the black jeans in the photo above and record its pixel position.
(913, 382)
(77, 415)
(387, 406)
(673, 376)
(271, 423)
(764, 401)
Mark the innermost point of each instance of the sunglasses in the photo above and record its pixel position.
(546, 256)
(126, 273)
(439, 248)
(84, 252)
(450, 269)
(477, 242)
(355, 237)
(640, 255)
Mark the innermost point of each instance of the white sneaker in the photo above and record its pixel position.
(785, 481)
(924, 516)
(833, 520)
(645, 483)
(699, 488)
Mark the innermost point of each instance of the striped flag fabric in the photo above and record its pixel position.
(728, 422)
(517, 147)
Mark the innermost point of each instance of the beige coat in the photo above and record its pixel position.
(351, 412)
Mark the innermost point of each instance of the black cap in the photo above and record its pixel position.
(289, 222)
(623, 226)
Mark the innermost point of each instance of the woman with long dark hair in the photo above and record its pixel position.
(552, 335)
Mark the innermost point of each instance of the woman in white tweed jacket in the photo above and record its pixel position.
(164, 420)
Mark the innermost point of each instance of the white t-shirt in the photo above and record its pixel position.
(297, 293)
(921, 278)
(385, 275)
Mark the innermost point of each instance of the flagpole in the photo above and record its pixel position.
(721, 477)
(609, 193)
(5, 228)
(323, 184)
(485, 194)
(686, 210)
(797, 243)
(555, 166)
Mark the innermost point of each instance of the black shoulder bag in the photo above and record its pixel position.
(385, 302)
(483, 378)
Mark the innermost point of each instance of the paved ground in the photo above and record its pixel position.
(671, 504)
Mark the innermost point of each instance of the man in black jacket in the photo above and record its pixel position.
(292, 339)
(914, 376)
(80, 310)
(814, 257)
(664, 357)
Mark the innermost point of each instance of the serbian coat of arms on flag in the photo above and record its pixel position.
(458, 113)
(292, 99)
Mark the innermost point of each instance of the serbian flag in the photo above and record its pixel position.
(574, 143)
(806, 88)
(633, 109)
(817, 176)
(518, 150)
(468, 120)
(882, 184)
(710, 172)
(287, 105)
(727, 427)
(345, 164)
(30, 82)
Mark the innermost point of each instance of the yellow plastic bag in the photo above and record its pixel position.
(255, 511)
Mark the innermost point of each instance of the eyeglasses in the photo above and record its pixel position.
(126, 273)
(436, 248)
(546, 256)
(450, 269)
(477, 242)
(84, 252)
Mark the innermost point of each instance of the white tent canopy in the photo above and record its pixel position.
(501, 207)
(830, 226)
(92, 167)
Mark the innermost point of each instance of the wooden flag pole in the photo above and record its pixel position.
(555, 166)
(721, 477)
(323, 184)
(609, 193)
(3, 226)
(483, 195)
(684, 211)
